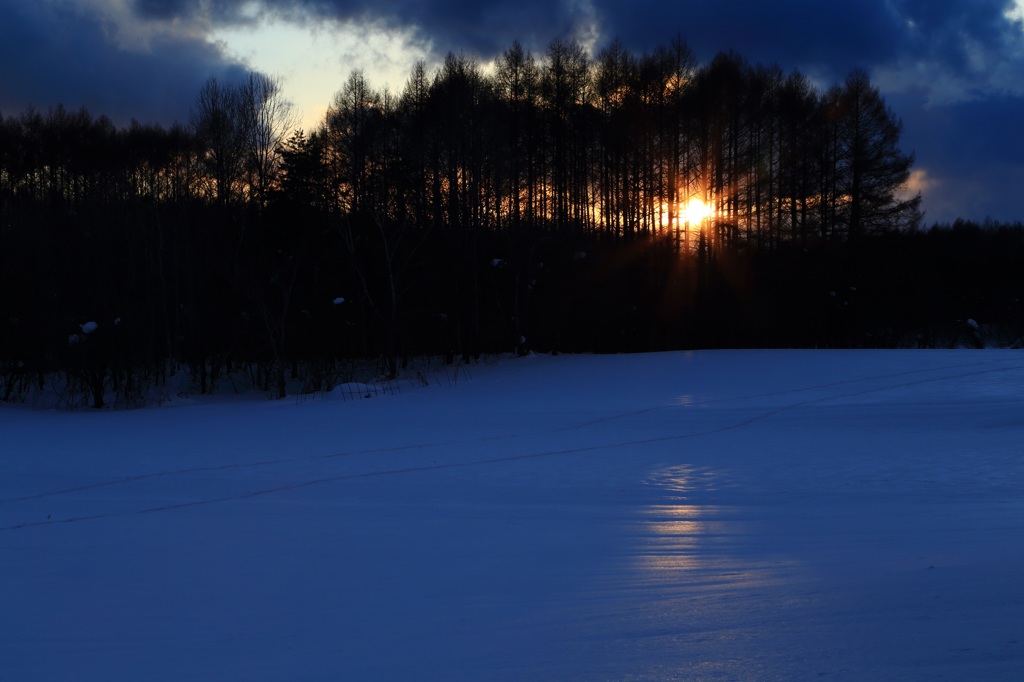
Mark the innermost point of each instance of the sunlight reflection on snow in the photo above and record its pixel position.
(688, 546)
(673, 543)
(687, 400)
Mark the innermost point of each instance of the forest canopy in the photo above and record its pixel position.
(558, 202)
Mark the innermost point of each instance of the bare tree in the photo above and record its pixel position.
(265, 118)
(218, 126)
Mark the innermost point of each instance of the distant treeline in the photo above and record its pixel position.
(560, 203)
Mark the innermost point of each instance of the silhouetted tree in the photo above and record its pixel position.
(870, 165)
(219, 127)
(265, 118)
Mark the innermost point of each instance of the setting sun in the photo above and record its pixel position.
(696, 211)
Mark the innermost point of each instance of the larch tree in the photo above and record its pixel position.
(872, 168)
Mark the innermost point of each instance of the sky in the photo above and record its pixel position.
(951, 70)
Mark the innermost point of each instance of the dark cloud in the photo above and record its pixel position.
(480, 28)
(166, 9)
(218, 12)
(943, 20)
(974, 153)
(971, 42)
(802, 31)
(805, 34)
(50, 57)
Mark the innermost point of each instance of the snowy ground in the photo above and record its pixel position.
(734, 515)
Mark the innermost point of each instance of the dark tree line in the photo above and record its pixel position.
(546, 202)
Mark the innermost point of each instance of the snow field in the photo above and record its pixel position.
(728, 515)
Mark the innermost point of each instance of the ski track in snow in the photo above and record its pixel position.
(978, 369)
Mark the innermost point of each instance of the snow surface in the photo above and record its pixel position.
(730, 515)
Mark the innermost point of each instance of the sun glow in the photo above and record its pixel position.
(696, 211)
(686, 218)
